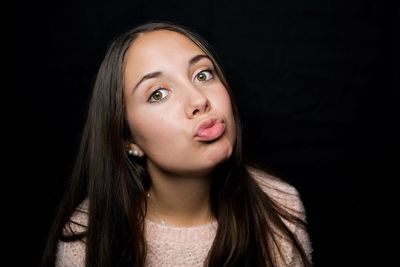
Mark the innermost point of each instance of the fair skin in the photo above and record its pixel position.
(181, 120)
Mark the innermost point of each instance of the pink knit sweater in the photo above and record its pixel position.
(189, 246)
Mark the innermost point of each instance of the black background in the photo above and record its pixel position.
(316, 83)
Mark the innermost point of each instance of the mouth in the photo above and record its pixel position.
(209, 129)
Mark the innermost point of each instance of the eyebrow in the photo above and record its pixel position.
(156, 74)
(197, 58)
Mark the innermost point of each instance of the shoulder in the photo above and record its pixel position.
(79, 220)
(279, 191)
(72, 253)
(287, 198)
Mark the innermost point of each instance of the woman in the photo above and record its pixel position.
(159, 179)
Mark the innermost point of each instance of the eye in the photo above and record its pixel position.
(158, 95)
(204, 75)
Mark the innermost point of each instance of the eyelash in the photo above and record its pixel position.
(152, 94)
(211, 72)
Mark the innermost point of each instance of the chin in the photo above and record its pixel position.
(219, 154)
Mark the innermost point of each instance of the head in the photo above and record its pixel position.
(166, 98)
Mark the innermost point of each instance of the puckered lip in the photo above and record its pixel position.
(205, 124)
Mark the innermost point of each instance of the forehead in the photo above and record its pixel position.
(161, 50)
(162, 43)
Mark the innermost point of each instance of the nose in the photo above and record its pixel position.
(197, 102)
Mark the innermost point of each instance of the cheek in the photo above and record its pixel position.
(222, 102)
(155, 130)
(148, 127)
(230, 118)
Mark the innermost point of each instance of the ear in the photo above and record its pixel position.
(134, 150)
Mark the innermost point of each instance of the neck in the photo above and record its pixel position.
(180, 201)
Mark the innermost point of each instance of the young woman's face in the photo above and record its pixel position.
(178, 110)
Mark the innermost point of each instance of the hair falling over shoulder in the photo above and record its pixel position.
(115, 184)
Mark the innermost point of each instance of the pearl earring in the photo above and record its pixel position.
(133, 152)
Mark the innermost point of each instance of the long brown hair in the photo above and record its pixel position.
(115, 184)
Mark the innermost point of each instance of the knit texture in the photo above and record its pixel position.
(178, 246)
(189, 246)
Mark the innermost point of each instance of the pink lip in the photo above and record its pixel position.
(209, 129)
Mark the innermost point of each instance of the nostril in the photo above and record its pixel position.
(200, 108)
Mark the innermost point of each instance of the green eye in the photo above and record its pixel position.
(204, 75)
(158, 95)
